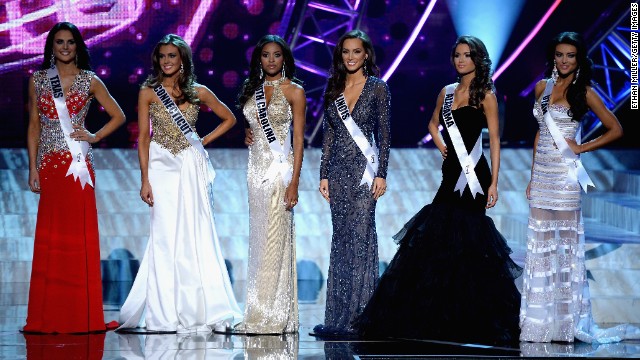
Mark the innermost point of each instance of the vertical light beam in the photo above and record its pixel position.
(526, 41)
(410, 41)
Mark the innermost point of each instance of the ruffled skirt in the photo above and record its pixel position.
(451, 279)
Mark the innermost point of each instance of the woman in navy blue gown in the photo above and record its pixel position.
(352, 177)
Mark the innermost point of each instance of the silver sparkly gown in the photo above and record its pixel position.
(556, 304)
(272, 294)
(353, 263)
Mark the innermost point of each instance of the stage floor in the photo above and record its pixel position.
(15, 345)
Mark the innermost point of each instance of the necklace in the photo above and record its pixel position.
(274, 82)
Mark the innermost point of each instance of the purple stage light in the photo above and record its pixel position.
(205, 7)
(254, 7)
(230, 79)
(410, 41)
(206, 55)
(103, 71)
(526, 41)
(230, 30)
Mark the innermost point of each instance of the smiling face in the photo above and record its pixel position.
(169, 59)
(566, 59)
(64, 46)
(272, 60)
(462, 59)
(353, 54)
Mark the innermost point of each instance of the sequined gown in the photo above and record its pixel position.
(272, 294)
(353, 263)
(182, 284)
(65, 293)
(556, 304)
(452, 278)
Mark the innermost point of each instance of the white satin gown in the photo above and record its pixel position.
(182, 284)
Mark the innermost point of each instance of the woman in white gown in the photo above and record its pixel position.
(182, 284)
(556, 304)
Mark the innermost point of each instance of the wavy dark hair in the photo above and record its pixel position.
(185, 86)
(83, 58)
(482, 82)
(338, 72)
(576, 94)
(254, 80)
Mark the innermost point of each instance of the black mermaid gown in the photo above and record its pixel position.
(452, 278)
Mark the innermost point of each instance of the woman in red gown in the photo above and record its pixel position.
(65, 294)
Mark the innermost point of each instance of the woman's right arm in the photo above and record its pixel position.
(327, 143)
(144, 140)
(434, 125)
(540, 86)
(33, 137)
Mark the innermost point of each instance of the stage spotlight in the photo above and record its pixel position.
(471, 17)
(230, 30)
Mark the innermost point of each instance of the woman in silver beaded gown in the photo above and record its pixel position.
(65, 292)
(272, 100)
(353, 264)
(182, 284)
(555, 296)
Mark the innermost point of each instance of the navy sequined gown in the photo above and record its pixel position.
(353, 265)
(452, 277)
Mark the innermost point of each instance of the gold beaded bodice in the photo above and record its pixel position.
(165, 131)
(78, 100)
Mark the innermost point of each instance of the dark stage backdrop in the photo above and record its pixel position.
(122, 33)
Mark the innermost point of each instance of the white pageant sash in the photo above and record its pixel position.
(79, 149)
(577, 172)
(369, 152)
(189, 133)
(279, 165)
(467, 161)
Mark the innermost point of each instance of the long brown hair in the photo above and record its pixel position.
(482, 82)
(186, 79)
(338, 73)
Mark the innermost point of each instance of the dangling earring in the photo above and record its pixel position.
(576, 78)
(365, 72)
(284, 74)
(554, 72)
(53, 61)
(76, 59)
(261, 73)
(181, 68)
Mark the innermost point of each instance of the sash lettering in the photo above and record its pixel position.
(78, 149)
(577, 172)
(177, 117)
(467, 161)
(279, 165)
(369, 152)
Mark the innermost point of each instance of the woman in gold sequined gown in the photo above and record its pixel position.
(182, 284)
(272, 299)
(65, 294)
(556, 305)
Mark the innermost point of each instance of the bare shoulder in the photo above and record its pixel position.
(201, 89)
(146, 93)
(95, 79)
(540, 85)
(593, 99)
(293, 91)
(490, 96)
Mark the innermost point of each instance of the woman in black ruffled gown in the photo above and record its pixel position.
(452, 278)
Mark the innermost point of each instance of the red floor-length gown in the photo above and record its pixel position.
(65, 294)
